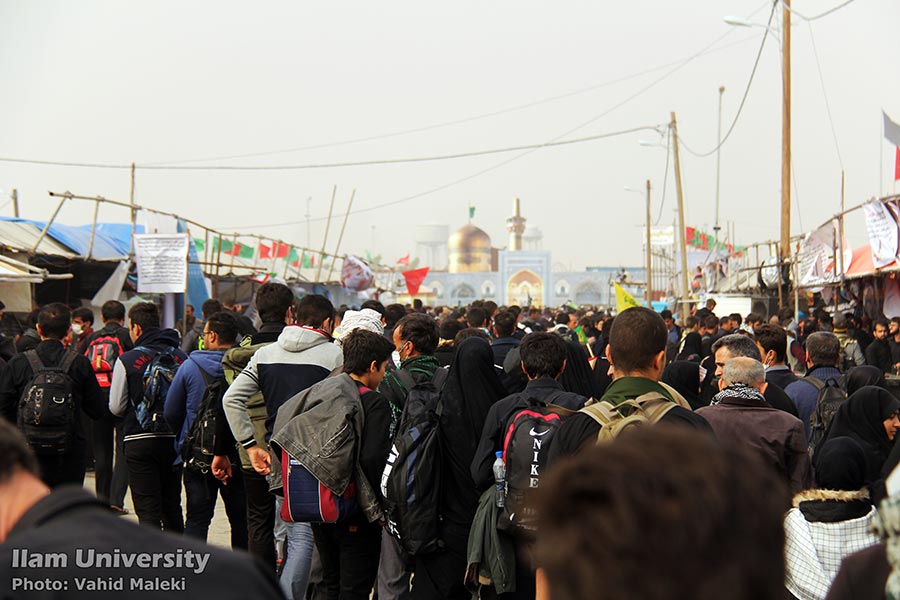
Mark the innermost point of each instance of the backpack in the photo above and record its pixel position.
(234, 361)
(157, 379)
(831, 396)
(412, 478)
(46, 413)
(646, 409)
(103, 352)
(526, 446)
(198, 448)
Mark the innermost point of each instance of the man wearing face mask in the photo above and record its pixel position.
(772, 343)
(82, 328)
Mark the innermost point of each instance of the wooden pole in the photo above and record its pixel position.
(93, 230)
(218, 264)
(785, 246)
(133, 210)
(49, 223)
(841, 226)
(337, 250)
(15, 202)
(649, 254)
(325, 237)
(682, 232)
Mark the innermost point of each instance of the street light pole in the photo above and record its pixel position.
(649, 254)
(718, 179)
(686, 290)
(785, 250)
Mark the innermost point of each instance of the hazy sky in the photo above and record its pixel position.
(167, 82)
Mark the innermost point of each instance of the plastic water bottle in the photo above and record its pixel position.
(499, 481)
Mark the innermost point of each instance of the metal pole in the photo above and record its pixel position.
(785, 248)
(337, 250)
(133, 211)
(325, 237)
(649, 254)
(718, 179)
(682, 233)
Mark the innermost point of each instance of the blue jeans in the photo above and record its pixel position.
(295, 568)
(202, 490)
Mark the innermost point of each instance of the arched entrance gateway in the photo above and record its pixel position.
(525, 288)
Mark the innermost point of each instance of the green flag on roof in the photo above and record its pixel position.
(246, 251)
(471, 212)
(199, 244)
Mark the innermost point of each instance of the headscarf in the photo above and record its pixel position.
(691, 346)
(578, 377)
(472, 387)
(840, 465)
(684, 376)
(861, 376)
(862, 418)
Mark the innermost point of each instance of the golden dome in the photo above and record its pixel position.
(469, 237)
(469, 250)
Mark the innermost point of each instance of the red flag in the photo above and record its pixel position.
(265, 251)
(414, 279)
(897, 166)
(282, 250)
(403, 260)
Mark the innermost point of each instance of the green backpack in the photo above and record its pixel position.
(647, 409)
(234, 361)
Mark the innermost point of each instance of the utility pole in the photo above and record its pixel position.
(716, 227)
(785, 249)
(325, 237)
(649, 254)
(682, 233)
(15, 202)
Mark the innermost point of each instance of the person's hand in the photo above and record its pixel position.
(221, 469)
(260, 460)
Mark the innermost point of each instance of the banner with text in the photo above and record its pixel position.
(161, 262)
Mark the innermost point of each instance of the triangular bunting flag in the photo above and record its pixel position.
(199, 244)
(414, 279)
(624, 300)
(403, 260)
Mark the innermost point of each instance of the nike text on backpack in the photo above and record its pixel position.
(526, 444)
(411, 483)
(197, 450)
(103, 352)
(647, 409)
(46, 412)
(829, 399)
(158, 376)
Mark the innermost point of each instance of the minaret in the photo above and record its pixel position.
(515, 225)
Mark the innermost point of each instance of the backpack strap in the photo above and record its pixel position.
(68, 361)
(815, 382)
(35, 361)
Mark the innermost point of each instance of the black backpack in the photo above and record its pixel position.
(46, 412)
(527, 439)
(198, 448)
(411, 483)
(831, 396)
(157, 378)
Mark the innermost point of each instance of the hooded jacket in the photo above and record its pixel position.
(127, 381)
(301, 357)
(187, 391)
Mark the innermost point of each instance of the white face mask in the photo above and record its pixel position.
(77, 329)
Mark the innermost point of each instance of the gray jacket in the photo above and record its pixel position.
(321, 427)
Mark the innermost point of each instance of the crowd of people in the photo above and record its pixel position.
(539, 454)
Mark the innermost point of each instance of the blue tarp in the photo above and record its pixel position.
(196, 284)
(78, 238)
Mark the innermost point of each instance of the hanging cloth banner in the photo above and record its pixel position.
(414, 279)
(161, 262)
(882, 229)
(356, 274)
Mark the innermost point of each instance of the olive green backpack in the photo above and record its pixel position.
(234, 361)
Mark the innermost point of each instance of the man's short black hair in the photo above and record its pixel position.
(505, 324)
(16, 453)
(145, 314)
(54, 320)
(711, 322)
(895, 320)
(421, 330)
(638, 335)
(210, 307)
(449, 328)
(476, 317)
(665, 313)
(881, 321)
(823, 348)
(362, 347)
(543, 354)
(273, 301)
(392, 314)
(374, 305)
(468, 332)
(224, 325)
(562, 318)
(313, 310)
(515, 309)
(736, 318)
(738, 345)
(417, 305)
(490, 307)
(112, 310)
(84, 313)
(772, 338)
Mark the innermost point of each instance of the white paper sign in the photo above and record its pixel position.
(662, 236)
(882, 229)
(161, 262)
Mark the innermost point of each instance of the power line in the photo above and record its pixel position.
(820, 15)
(743, 98)
(665, 177)
(825, 96)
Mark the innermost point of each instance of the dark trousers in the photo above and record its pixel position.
(260, 518)
(61, 470)
(155, 483)
(349, 554)
(202, 490)
(110, 469)
(441, 574)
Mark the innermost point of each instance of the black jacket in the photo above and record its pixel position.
(72, 523)
(498, 417)
(878, 354)
(86, 394)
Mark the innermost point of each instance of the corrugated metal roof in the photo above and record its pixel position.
(21, 236)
